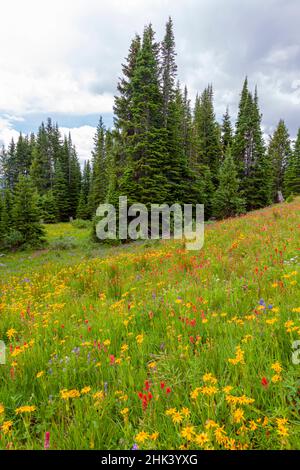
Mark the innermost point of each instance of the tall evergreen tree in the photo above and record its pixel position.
(208, 145)
(226, 133)
(292, 174)
(144, 175)
(257, 185)
(26, 216)
(169, 70)
(279, 154)
(227, 202)
(83, 211)
(98, 189)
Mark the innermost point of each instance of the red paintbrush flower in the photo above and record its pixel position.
(264, 382)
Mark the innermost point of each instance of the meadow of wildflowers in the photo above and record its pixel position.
(154, 347)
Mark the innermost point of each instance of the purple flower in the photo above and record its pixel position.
(135, 447)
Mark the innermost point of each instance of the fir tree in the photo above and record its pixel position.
(208, 145)
(169, 70)
(292, 174)
(227, 202)
(226, 133)
(48, 208)
(257, 185)
(279, 154)
(144, 174)
(83, 211)
(98, 189)
(26, 216)
(60, 192)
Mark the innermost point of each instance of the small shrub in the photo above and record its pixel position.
(13, 240)
(290, 199)
(81, 224)
(63, 243)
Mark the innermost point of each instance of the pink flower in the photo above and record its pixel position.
(47, 440)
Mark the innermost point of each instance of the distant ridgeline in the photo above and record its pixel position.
(161, 151)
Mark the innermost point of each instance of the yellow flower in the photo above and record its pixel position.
(25, 409)
(252, 425)
(201, 439)
(6, 426)
(107, 342)
(98, 395)
(238, 415)
(282, 431)
(185, 412)
(208, 390)
(1, 409)
(276, 378)
(141, 437)
(66, 394)
(154, 436)
(276, 367)
(281, 421)
(296, 310)
(152, 365)
(220, 435)
(11, 333)
(40, 374)
(177, 417)
(227, 389)
(125, 412)
(209, 378)
(140, 339)
(85, 390)
(210, 424)
(171, 411)
(239, 357)
(188, 432)
(195, 393)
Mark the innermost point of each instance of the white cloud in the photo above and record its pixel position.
(65, 56)
(7, 132)
(82, 138)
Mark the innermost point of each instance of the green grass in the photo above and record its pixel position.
(140, 344)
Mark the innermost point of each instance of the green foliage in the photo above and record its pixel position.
(226, 201)
(25, 213)
(292, 173)
(279, 155)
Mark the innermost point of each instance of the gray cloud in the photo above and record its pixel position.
(68, 59)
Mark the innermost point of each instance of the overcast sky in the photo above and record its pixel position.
(63, 58)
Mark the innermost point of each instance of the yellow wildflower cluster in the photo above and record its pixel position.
(239, 357)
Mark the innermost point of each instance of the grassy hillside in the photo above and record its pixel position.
(153, 346)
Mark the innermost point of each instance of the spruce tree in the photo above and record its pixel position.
(208, 145)
(257, 183)
(98, 189)
(226, 133)
(279, 154)
(83, 211)
(226, 201)
(60, 192)
(26, 216)
(144, 174)
(169, 70)
(292, 174)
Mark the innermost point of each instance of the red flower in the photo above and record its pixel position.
(47, 440)
(147, 385)
(264, 382)
(162, 385)
(112, 359)
(168, 391)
